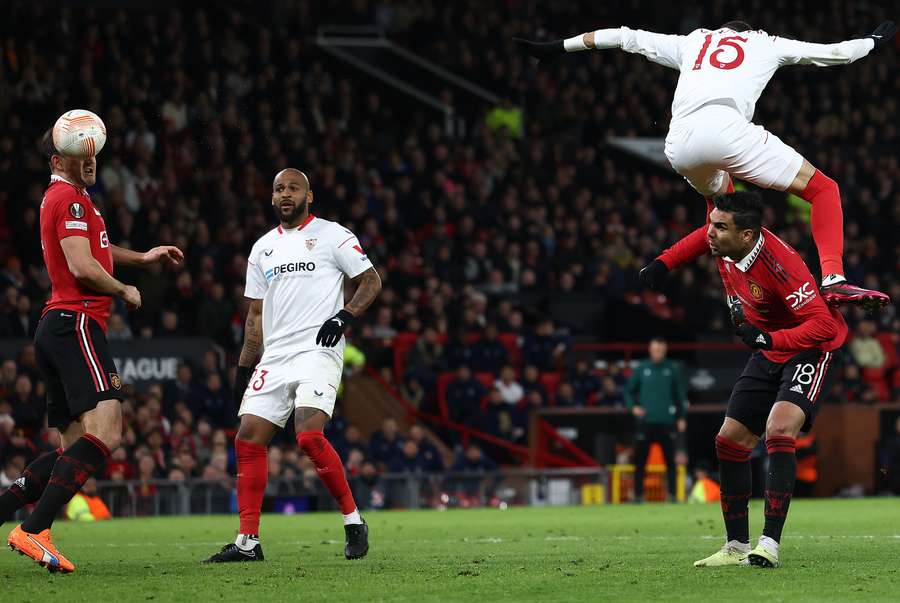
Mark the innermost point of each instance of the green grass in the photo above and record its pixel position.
(833, 550)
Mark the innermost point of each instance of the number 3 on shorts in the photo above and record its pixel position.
(258, 383)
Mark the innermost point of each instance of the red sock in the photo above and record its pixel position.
(826, 218)
(253, 474)
(329, 467)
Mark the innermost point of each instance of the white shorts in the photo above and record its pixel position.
(278, 385)
(716, 139)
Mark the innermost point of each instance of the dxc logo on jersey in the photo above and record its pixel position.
(289, 269)
(801, 296)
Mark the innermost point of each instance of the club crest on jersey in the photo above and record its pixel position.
(77, 210)
(310, 243)
(115, 381)
(755, 290)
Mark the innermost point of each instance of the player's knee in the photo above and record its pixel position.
(781, 427)
(311, 442)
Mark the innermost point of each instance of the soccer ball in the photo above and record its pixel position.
(79, 134)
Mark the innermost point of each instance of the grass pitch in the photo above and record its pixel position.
(836, 550)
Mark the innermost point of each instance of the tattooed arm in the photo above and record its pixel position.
(368, 285)
(253, 335)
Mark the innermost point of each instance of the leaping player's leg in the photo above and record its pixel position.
(826, 220)
(309, 425)
(27, 489)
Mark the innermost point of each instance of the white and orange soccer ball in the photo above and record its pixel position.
(79, 134)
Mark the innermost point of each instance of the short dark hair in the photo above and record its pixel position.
(48, 148)
(738, 26)
(745, 208)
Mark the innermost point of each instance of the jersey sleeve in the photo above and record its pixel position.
(349, 254)
(256, 285)
(664, 49)
(795, 52)
(800, 296)
(69, 218)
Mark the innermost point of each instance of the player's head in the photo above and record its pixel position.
(81, 172)
(658, 349)
(737, 26)
(291, 196)
(734, 224)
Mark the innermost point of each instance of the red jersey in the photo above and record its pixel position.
(782, 298)
(67, 211)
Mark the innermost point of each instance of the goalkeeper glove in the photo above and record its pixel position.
(754, 337)
(883, 33)
(333, 328)
(542, 51)
(654, 274)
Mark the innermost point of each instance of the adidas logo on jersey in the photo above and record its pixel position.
(797, 389)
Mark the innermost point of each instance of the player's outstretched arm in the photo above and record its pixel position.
(90, 273)
(163, 254)
(795, 52)
(659, 48)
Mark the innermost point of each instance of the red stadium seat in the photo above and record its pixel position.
(551, 382)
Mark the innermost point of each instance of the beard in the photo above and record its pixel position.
(291, 216)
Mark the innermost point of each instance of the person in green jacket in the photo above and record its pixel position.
(659, 411)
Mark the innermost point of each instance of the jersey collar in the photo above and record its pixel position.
(308, 219)
(744, 265)
(55, 178)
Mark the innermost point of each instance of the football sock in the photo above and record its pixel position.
(694, 245)
(826, 219)
(329, 467)
(252, 476)
(352, 518)
(74, 466)
(736, 486)
(246, 542)
(779, 483)
(28, 488)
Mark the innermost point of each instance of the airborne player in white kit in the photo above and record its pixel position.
(295, 279)
(722, 74)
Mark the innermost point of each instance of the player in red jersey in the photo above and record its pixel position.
(798, 339)
(83, 386)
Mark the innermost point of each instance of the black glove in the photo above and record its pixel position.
(333, 329)
(542, 51)
(883, 34)
(754, 337)
(241, 381)
(736, 310)
(654, 274)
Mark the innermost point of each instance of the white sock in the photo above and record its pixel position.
(352, 518)
(737, 545)
(246, 542)
(831, 279)
(768, 544)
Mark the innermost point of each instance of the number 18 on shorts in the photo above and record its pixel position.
(278, 385)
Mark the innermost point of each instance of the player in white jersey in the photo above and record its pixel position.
(297, 315)
(711, 136)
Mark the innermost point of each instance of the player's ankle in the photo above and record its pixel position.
(833, 278)
(246, 542)
(352, 518)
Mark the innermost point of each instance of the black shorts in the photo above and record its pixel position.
(72, 353)
(804, 380)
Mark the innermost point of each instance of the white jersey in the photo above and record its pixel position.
(299, 275)
(734, 67)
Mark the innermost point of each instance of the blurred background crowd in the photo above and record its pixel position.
(494, 232)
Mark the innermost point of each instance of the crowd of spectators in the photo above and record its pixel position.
(471, 233)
